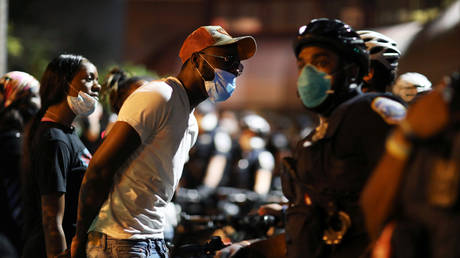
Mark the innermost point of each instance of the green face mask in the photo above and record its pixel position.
(313, 86)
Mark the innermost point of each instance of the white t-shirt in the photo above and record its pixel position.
(160, 113)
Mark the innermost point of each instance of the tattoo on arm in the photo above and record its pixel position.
(52, 217)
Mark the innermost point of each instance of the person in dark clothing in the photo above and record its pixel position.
(410, 202)
(55, 160)
(255, 165)
(410, 86)
(384, 58)
(19, 101)
(324, 179)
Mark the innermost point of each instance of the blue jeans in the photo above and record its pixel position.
(100, 245)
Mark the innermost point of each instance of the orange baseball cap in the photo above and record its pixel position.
(209, 36)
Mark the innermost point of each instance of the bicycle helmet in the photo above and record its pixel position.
(256, 124)
(336, 35)
(381, 48)
(414, 79)
(410, 85)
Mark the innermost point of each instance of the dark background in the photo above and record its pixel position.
(149, 33)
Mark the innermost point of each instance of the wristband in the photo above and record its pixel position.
(406, 129)
(397, 149)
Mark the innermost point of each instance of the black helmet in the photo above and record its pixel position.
(337, 35)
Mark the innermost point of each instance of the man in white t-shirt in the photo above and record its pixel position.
(134, 173)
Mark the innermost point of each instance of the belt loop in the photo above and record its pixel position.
(149, 247)
(104, 241)
(158, 247)
(165, 248)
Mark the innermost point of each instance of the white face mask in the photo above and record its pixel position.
(83, 104)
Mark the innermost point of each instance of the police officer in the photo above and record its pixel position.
(410, 86)
(255, 165)
(414, 189)
(384, 57)
(324, 179)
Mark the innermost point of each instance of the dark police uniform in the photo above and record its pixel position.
(330, 168)
(208, 144)
(244, 175)
(428, 218)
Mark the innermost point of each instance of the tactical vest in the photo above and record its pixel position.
(324, 181)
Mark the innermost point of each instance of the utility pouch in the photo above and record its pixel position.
(289, 178)
(336, 227)
(409, 240)
(303, 231)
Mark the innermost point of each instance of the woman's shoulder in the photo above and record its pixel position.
(53, 132)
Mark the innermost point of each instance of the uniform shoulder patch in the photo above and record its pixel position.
(390, 110)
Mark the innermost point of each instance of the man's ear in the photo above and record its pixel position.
(194, 59)
(352, 71)
(368, 77)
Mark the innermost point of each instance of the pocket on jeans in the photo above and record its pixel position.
(133, 250)
(95, 251)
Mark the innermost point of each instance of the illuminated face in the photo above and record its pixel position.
(86, 80)
(223, 57)
(405, 90)
(323, 59)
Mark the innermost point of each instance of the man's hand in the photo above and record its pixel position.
(233, 248)
(428, 115)
(64, 254)
(274, 209)
(78, 248)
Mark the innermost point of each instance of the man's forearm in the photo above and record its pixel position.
(119, 145)
(378, 196)
(93, 193)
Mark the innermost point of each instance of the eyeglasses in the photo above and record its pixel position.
(231, 62)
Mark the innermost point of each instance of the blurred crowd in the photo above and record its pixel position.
(317, 161)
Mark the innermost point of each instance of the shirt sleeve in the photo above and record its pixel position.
(145, 109)
(52, 166)
(266, 161)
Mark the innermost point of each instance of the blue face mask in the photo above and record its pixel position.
(313, 86)
(222, 86)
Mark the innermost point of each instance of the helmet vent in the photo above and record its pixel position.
(375, 50)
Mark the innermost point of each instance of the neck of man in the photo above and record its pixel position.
(334, 100)
(193, 85)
